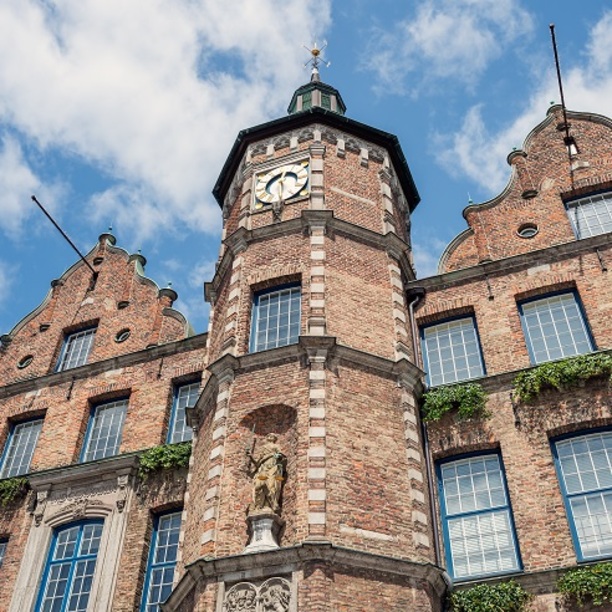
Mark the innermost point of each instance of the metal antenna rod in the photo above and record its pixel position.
(568, 138)
(61, 231)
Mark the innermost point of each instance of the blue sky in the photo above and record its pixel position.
(122, 113)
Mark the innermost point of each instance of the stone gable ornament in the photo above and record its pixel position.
(266, 468)
(273, 595)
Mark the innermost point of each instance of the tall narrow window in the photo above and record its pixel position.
(3, 544)
(104, 431)
(19, 448)
(71, 563)
(76, 349)
(478, 527)
(555, 327)
(584, 466)
(162, 561)
(184, 395)
(592, 215)
(452, 351)
(276, 318)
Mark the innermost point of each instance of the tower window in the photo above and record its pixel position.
(71, 563)
(162, 561)
(452, 351)
(76, 349)
(3, 544)
(555, 327)
(19, 448)
(584, 467)
(592, 215)
(184, 395)
(276, 318)
(104, 431)
(477, 519)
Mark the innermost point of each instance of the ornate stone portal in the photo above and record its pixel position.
(274, 595)
(267, 469)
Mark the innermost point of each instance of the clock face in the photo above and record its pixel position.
(281, 183)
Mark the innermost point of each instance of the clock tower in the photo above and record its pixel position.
(307, 485)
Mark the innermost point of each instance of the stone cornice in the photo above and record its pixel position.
(515, 263)
(287, 559)
(235, 243)
(92, 471)
(98, 367)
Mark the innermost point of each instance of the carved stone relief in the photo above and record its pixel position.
(273, 595)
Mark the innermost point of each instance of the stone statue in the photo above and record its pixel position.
(267, 469)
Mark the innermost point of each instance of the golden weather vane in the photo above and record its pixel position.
(316, 57)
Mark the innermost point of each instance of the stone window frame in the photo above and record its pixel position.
(445, 517)
(178, 414)
(10, 441)
(555, 444)
(91, 424)
(527, 334)
(65, 355)
(255, 311)
(151, 564)
(445, 320)
(575, 206)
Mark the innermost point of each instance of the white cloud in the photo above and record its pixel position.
(449, 39)
(154, 91)
(480, 153)
(426, 252)
(7, 274)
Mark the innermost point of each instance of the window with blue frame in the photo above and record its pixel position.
(76, 349)
(477, 520)
(591, 215)
(69, 571)
(555, 327)
(104, 430)
(451, 351)
(162, 561)
(584, 468)
(276, 318)
(19, 448)
(184, 396)
(3, 545)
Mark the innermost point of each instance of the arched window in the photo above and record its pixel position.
(69, 570)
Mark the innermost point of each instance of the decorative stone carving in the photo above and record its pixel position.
(122, 483)
(267, 469)
(273, 595)
(39, 508)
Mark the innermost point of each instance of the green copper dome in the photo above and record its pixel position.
(318, 94)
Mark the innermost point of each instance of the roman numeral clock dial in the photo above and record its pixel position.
(282, 183)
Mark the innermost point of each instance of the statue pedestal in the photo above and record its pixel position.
(264, 529)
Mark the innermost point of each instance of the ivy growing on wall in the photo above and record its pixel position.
(468, 399)
(504, 596)
(587, 585)
(560, 375)
(12, 488)
(164, 457)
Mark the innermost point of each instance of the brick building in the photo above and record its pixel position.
(321, 346)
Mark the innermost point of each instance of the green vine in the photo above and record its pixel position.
(561, 375)
(592, 584)
(164, 457)
(468, 399)
(502, 597)
(12, 488)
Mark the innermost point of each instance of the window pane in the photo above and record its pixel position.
(3, 544)
(20, 448)
(276, 319)
(70, 568)
(185, 395)
(452, 351)
(554, 328)
(105, 429)
(76, 349)
(592, 215)
(585, 467)
(162, 561)
(479, 528)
